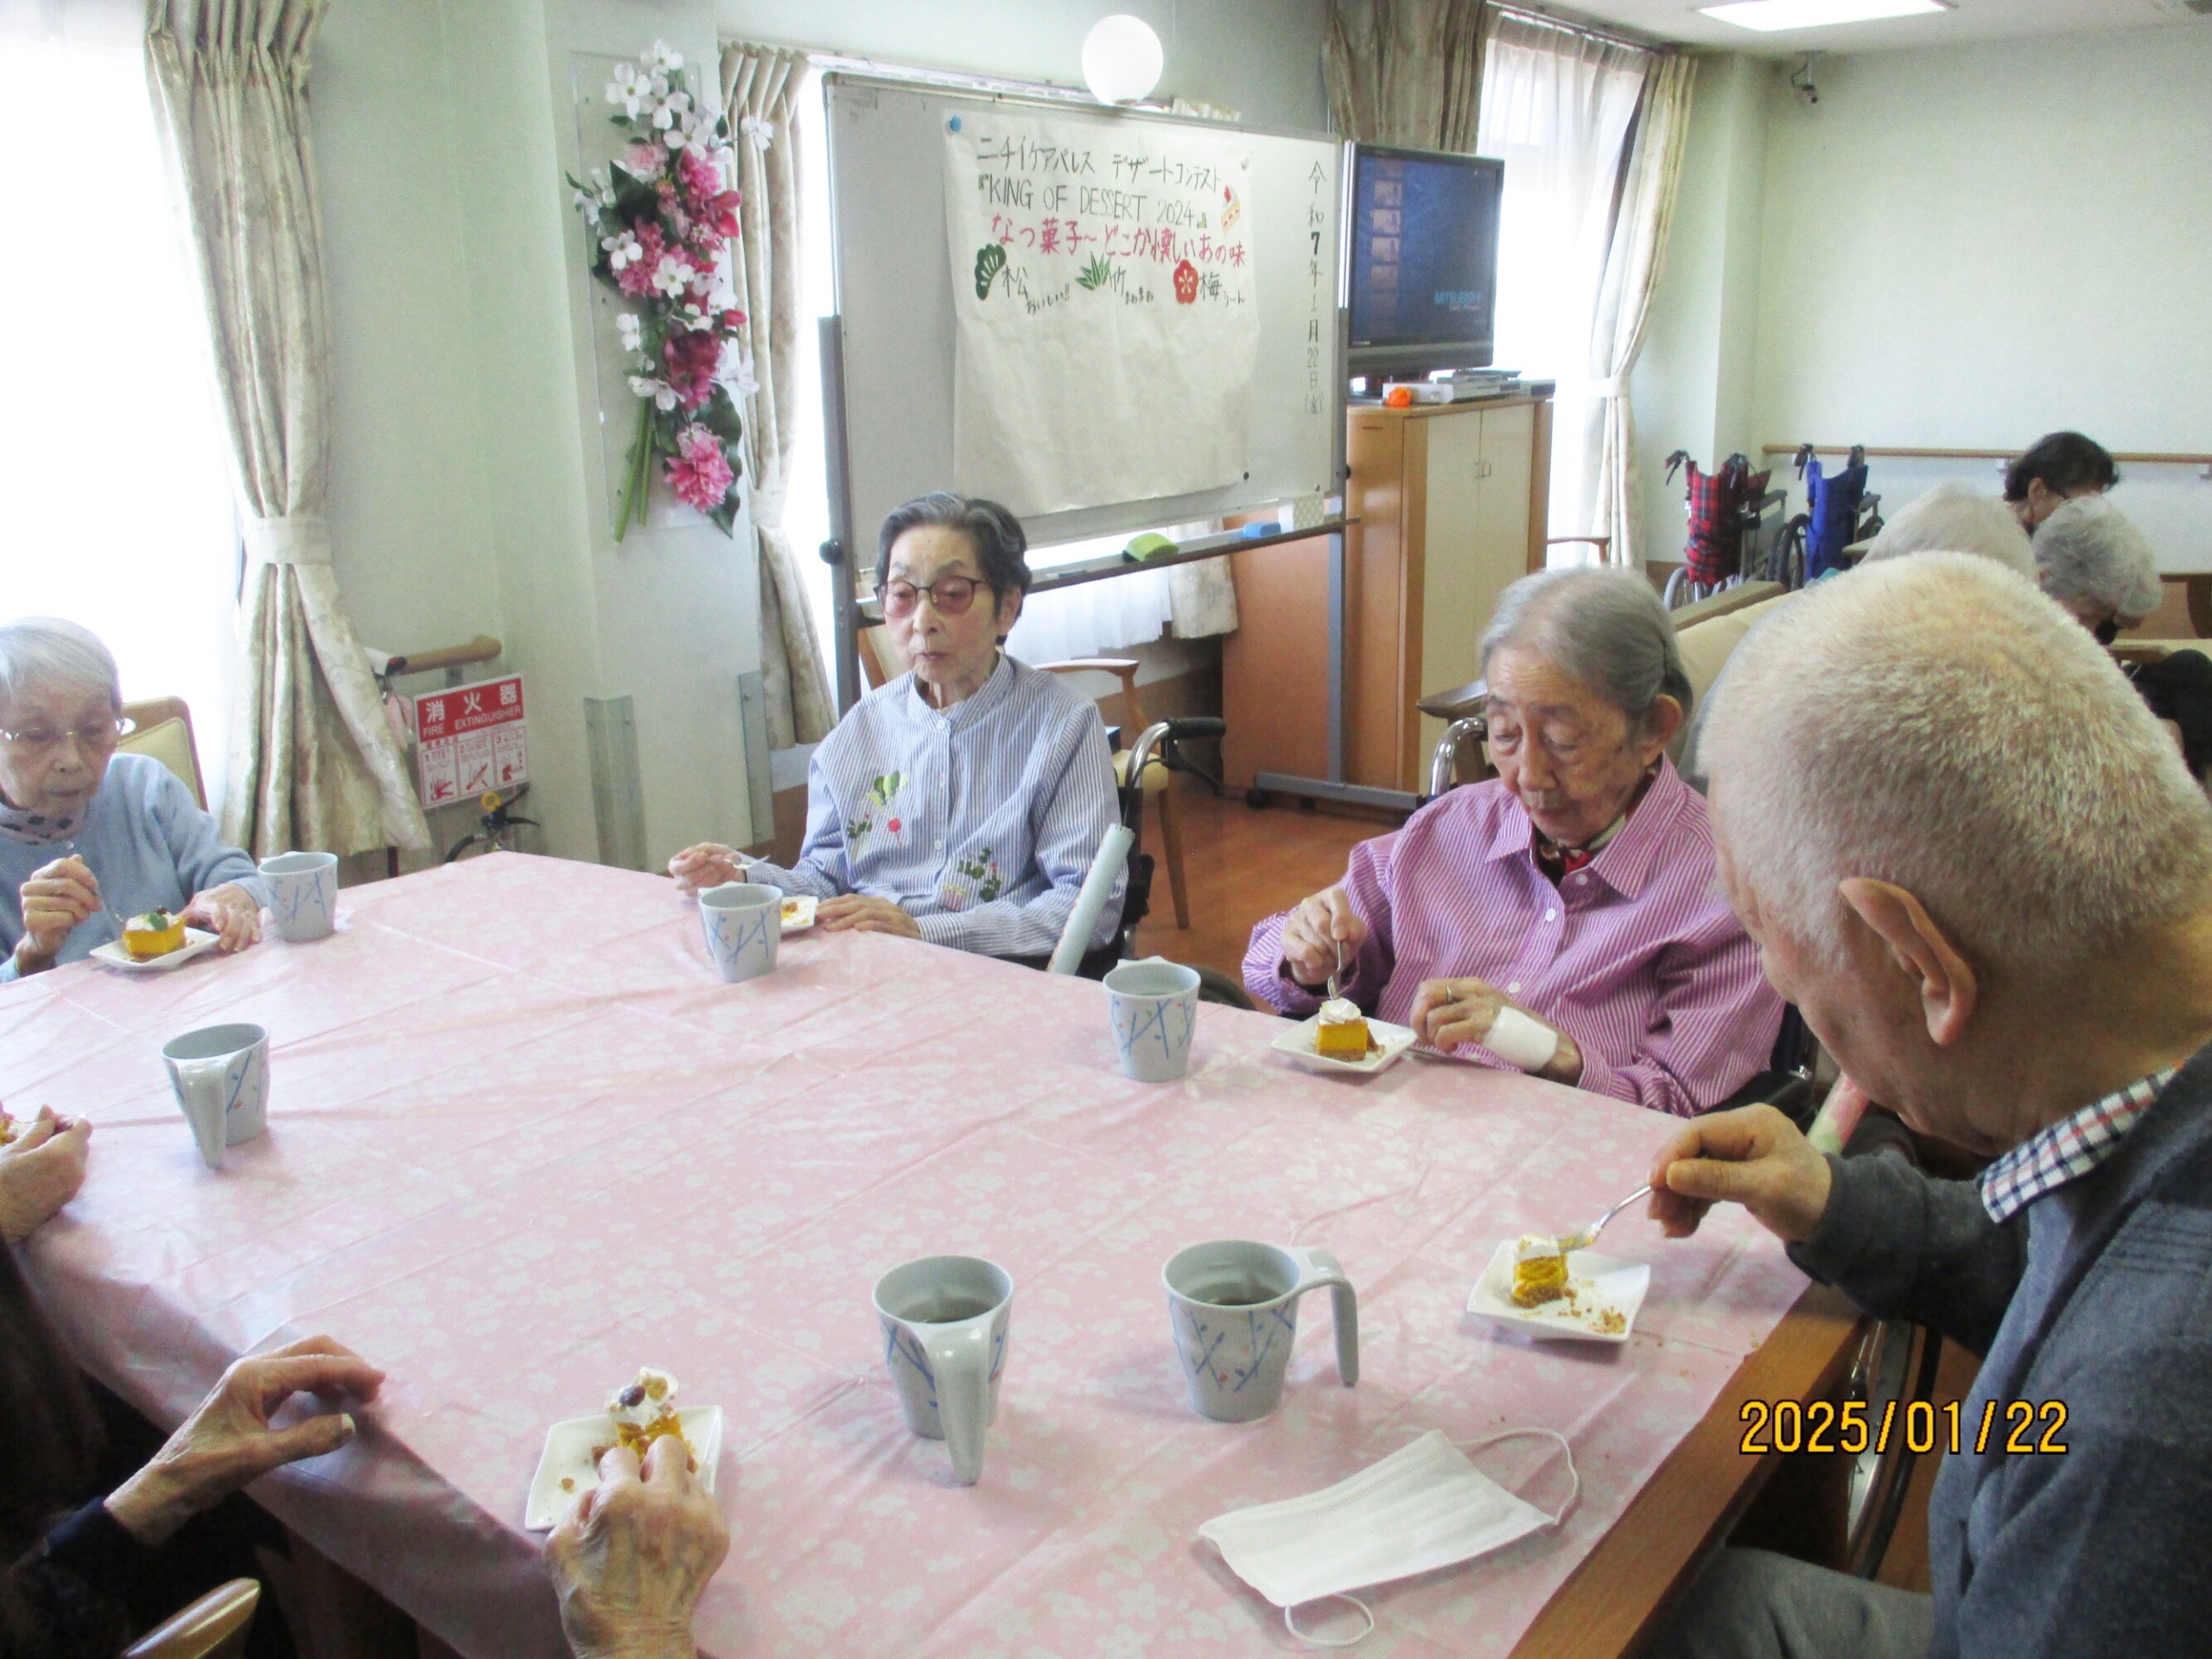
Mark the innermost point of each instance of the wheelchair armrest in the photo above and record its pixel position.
(1461, 702)
(1192, 728)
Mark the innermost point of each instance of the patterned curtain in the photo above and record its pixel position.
(1406, 71)
(1633, 262)
(757, 86)
(314, 765)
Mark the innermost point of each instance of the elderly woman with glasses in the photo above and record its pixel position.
(964, 803)
(1565, 918)
(90, 838)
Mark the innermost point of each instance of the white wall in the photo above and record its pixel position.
(1963, 248)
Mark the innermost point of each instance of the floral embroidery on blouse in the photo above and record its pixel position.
(880, 794)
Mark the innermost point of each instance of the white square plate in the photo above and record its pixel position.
(113, 954)
(1599, 1282)
(568, 1456)
(1298, 1043)
(799, 913)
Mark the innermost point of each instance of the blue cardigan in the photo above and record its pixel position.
(146, 841)
(2099, 1296)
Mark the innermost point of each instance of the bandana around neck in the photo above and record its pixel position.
(36, 828)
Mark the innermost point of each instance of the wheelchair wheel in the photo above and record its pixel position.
(1895, 1368)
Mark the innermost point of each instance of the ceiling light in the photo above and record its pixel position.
(1768, 15)
(1121, 60)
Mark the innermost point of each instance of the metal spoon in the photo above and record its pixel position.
(1334, 977)
(1588, 1236)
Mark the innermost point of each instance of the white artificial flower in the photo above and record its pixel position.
(739, 375)
(756, 128)
(671, 276)
(665, 58)
(629, 89)
(659, 391)
(632, 331)
(621, 250)
(671, 110)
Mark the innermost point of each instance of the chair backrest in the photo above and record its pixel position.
(1123, 669)
(1706, 645)
(214, 1627)
(165, 732)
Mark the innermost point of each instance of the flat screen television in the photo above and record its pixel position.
(1423, 259)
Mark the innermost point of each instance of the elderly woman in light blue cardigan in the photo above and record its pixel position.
(90, 838)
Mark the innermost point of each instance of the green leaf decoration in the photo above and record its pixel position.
(990, 260)
(1096, 275)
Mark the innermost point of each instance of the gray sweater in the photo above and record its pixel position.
(2098, 1295)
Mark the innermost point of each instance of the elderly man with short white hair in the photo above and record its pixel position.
(2091, 558)
(1971, 858)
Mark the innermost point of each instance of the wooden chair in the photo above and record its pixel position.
(1158, 780)
(214, 1627)
(164, 731)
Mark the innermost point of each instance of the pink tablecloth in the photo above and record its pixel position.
(522, 1142)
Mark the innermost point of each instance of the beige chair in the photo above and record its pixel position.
(1158, 780)
(163, 729)
(214, 1627)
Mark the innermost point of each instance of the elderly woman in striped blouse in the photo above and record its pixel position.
(1563, 919)
(964, 803)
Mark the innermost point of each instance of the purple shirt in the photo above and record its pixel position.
(1636, 957)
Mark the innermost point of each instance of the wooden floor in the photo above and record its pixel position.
(1242, 866)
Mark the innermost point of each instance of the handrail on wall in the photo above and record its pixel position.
(2140, 458)
(482, 649)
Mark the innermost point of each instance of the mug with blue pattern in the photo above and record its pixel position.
(944, 1320)
(1155, 1005)
(220, 1074)
(1233, 1307)
(303, 894)
(744, 923)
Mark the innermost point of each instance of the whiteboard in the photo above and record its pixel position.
(895, 302)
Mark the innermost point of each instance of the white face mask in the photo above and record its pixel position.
(1422, 1508)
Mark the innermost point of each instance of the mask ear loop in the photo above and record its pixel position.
(1573, 1476)
(1551, 1519)
(1313, 1641)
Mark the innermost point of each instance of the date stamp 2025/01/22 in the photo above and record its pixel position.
(2016, 1427)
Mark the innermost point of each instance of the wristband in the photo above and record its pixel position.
(1520, 1041)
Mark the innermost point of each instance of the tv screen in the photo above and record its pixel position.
(1423, 259)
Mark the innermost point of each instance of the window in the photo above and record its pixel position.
(114, 463)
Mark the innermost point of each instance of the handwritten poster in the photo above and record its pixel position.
(1108, 321)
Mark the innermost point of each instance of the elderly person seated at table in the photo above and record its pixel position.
(90, 838)
(78, 1570)
(1561, 918)
(1972, 861)
(963, 802)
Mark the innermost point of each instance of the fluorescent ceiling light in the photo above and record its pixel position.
(1768, 15)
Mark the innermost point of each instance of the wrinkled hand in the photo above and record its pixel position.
(57, 896)
(1448, 1011)
(849, 912)
(230, 912)
(228, 1442)
(40, 1171)
(1312, 931)
(630, 1559)
(707, 865)
(1753, 1156)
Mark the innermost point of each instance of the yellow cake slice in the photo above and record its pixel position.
(1539, 1271)
(1341, 1032)
(644, 1411)
(155, 934)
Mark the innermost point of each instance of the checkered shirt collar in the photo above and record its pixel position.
(2069, 1149)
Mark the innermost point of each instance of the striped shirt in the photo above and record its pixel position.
(1635, 956)
(979, 822)
(2067, 1150)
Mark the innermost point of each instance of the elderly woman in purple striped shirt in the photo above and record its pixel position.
(1564, 917)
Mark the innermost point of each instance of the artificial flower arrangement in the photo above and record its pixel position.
(662, 226)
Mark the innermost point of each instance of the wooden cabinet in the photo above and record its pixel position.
(1450, 504)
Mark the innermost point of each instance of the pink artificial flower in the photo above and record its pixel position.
(733, 320)
(636, 279)
(693, 359)
(701, 180)
(641, 161)
(699, 472)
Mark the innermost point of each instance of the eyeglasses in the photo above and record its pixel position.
(44, 740)
(951, 595)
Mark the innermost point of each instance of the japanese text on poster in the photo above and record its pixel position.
(470, 739)
(1108, 317)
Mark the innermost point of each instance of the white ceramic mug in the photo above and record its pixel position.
(303, 894)
(944, 1320)
(220, 1074)
(1233, 1308)
(744, 923)
(1154, 1007)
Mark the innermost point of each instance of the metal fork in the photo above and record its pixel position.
(1338, 975)
(1588, 1236)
